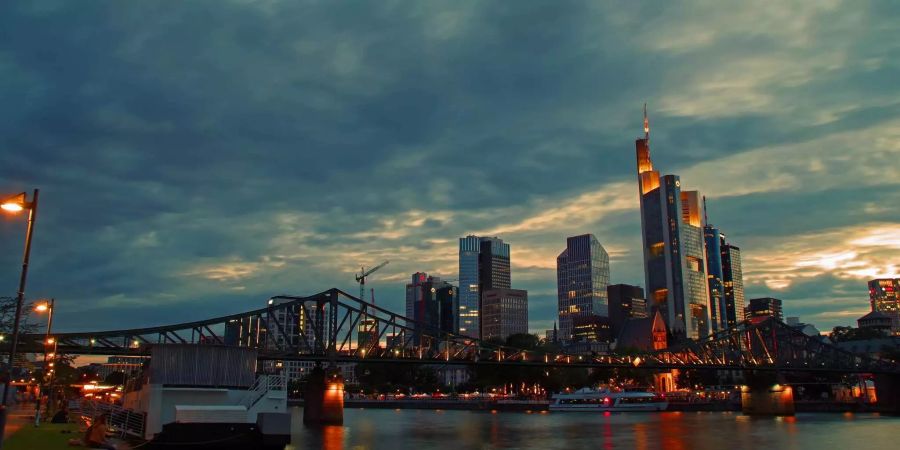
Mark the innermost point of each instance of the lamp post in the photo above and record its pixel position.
(47, 307)
(17, 204)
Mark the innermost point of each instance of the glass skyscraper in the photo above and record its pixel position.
(674, 247)
(714, 275)
(733, 281)
(432, 303)
(884, 295)
(483, 265)
(582, 277)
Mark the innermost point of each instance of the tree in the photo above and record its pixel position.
(8, 314)
(844, 334)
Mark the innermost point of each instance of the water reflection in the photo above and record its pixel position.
(457, 430)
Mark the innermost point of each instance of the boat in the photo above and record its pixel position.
(204, 397)
(587, 399)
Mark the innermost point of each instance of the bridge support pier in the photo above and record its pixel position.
(764, 396)
(887, 393)
(323, 402)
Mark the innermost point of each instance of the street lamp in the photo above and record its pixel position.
(48, 308)
(16, 204)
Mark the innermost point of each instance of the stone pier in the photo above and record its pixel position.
(764, 394)
(323, 402)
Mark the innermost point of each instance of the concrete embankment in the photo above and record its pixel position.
(801, 406)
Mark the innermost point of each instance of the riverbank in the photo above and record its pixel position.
(537, 406)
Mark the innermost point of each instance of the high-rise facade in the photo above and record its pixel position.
(714, 276)
(433, 304)
(582, 276)
(726, 281)
(505, 312)
(733, 283)
(764, 307)
(625, 302)
(484, 263)
(884, 296)
(674, 248)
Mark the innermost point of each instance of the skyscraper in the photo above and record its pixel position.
(625, 302)
(433, 304)
(765, 307)
(733, 282)
(483, 264)
(674, 249)
(582, 276)
(884, 296)
(726, 282)
(505, 312)
(714, 277)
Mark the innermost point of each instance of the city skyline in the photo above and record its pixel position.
(361, 151)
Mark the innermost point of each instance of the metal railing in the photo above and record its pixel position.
(123, 421)
(263, 385)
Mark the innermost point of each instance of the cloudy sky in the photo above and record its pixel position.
(195, 158)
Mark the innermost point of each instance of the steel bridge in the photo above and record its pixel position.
(333, 326)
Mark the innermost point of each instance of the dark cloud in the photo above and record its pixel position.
(196, 158)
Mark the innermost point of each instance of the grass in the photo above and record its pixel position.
(50, 436)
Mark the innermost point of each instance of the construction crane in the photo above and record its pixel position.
(361, 278)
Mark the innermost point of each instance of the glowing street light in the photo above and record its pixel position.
(47, 307)
(15, 205)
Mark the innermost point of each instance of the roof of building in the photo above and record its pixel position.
(638, 333)
(875, 315)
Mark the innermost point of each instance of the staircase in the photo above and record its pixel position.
(266, 389)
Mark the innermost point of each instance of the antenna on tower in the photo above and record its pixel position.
(705, 218)
(646, 124)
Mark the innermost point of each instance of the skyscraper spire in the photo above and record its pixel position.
(646, 124)
(705, 218)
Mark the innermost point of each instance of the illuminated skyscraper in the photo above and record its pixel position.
(884, 295)
(505, 312)
(733, 282)
(483, 265)
(726, 282)
(582, 275)
(764, 307)
(714, 276)
(674, 248)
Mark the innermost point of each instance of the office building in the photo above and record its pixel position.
(714, 277)
(483, 264)
(505, 312)
(625, 302)
(591, 328)
(725, 280)
(291, 327)
(433, 304)
(582, 276)
(884, 296)
(674, 248)
(733, 283)
(764, 307)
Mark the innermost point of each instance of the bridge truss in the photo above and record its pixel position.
(334, 326)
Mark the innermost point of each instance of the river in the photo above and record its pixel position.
(457, 430)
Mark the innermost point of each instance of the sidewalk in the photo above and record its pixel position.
(19, 415)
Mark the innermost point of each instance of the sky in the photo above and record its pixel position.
(195, 158)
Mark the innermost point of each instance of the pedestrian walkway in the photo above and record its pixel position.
(19, 415)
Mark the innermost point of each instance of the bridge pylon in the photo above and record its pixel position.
(765, 394)
(323, 400)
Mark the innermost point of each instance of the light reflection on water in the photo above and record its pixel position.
(417, 429)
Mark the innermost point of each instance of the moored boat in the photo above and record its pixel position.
(587, 399)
